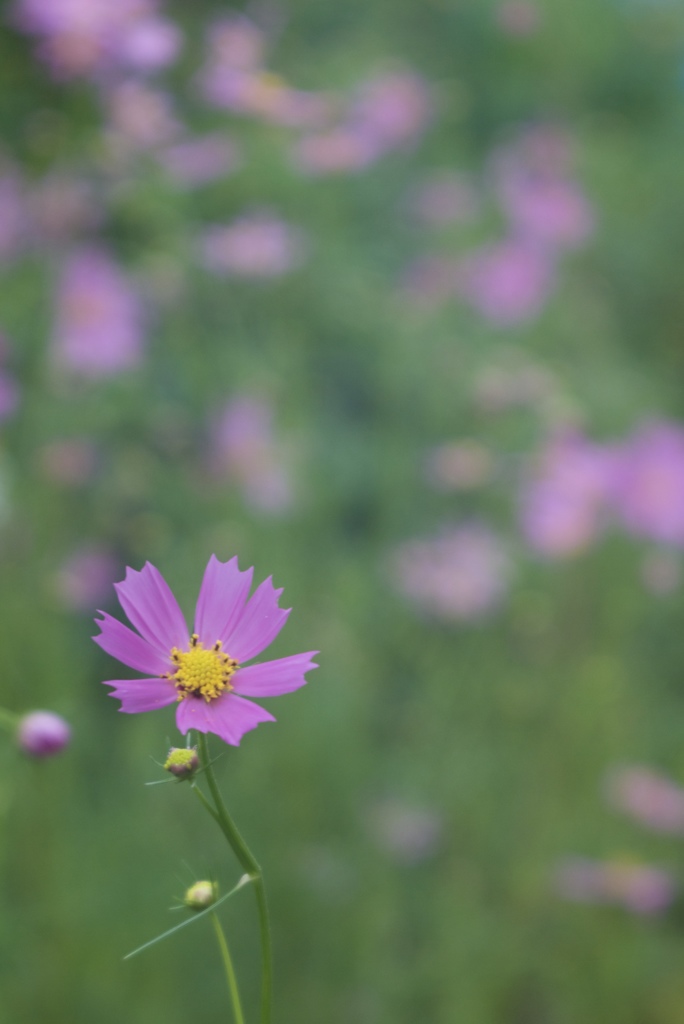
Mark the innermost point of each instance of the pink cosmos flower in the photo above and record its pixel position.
(257, 245)
(649, 491)
(98, 326)
(518, 18)
(508, 282)
(200, 160)
(201, 671)
(639, 888)
(563, 507)
(462, 574)
(246, 448)
(86, 37)
(651, 799)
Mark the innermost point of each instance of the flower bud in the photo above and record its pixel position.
(182, 762)
(42, 734)
(201, 895)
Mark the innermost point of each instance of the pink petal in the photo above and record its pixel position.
(149, 604)
(258, 625)
(229, 716)
(221, 600)
(122, 643)
(142, 694)
(272, 678)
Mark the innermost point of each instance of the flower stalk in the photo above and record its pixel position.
(230, 970)
(249, 865)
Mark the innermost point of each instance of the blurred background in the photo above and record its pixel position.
(386, 298)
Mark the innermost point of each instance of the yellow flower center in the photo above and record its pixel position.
(202, 672)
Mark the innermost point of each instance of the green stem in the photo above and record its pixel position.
(250, 865)
(230, 970)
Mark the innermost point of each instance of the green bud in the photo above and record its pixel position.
(201, 895)
(182, 762)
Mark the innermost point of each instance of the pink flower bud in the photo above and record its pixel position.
(43, 733)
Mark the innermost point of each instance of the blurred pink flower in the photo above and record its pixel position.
(507, 282)
(649, 798)
(649, 488)
(61, 206)
(640, 888)
(461, 574)
(244, 447)
(85, 578)
(85, 37)
(236, 42)
(234, 77)
(445, 198)
(68, 460)
(499, 388)
(564, 500)
(518, 17)
(42, 734)
(391, 110)
(431, 281)
(140, 116)
(254, 245)
(547, 210)
(459, 465)
(333, 152)
(98, 327)
(199, 160)
(409, 833)
(388, 112)
(201, 672)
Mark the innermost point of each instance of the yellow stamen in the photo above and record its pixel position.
(201, 672)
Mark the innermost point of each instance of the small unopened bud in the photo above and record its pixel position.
(201, 895)
(182, 762)
(42, 733)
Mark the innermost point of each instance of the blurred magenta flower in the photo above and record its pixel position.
(445, 197)
(389, 111)
(199, 160)
(234, 77)
(70, 461)
(649, 488)
(85, 577)
(42, 734)
(518, 17)
(140, 117)
(639, 888)
(255, 245)
(508, 282)
(546, 209)
(461, 574)
(409, 833)
(98, 326)
(430, 281)
(202, 672)
(651, 799)
(564, 500)
(245, 448)
(500, 388)
(85, 37)
(61, 206)
(459, 465)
